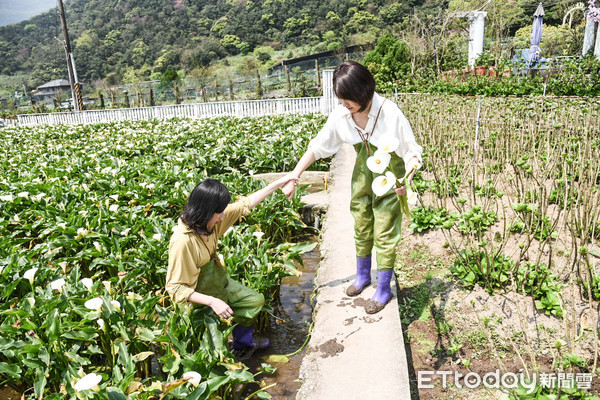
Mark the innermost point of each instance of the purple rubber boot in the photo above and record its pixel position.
(363, 276)
(244, 344)
(383, 294)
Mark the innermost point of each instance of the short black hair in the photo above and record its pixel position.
(208, 197)
(353, 81)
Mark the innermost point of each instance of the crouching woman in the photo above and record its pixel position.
(195, 274)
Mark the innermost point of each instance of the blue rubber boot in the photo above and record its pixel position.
(363, 276)
(243, 336)
(383, 294)
(244, 344)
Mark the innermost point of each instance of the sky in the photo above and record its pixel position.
(13, 11)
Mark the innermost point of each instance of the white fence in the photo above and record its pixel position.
(250, 108)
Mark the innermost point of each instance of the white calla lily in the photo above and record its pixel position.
(192, 377)
(90, 381)
(30, 274)
(412, 197)
(94, 304)
(411, 165)
(57, 284)
(258, 234)
(378, 162)
(383, 183)
(87, 282)
(116, 305)
(388, 144)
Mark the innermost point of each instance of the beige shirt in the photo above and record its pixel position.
(188, 253)
(341, 128)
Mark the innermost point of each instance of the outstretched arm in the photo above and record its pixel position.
(305, 161)
(258, 196)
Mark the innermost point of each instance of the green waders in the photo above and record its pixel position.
(377, 220)
(246, 303)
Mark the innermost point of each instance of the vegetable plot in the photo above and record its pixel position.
(85, 219)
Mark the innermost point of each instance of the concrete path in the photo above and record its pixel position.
(351, 355)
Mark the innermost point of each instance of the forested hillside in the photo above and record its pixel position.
(109, 36)
(130, 40)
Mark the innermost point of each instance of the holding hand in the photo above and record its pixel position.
(290, 188)
(287, 181)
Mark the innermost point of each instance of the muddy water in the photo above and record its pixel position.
(288, 331)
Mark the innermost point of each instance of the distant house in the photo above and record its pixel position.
(48, 91)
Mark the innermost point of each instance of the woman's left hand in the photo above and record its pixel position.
(401, 191)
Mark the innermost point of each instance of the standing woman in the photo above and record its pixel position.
(363, 119)
(195, 274)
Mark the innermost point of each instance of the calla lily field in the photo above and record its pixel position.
(86, 214)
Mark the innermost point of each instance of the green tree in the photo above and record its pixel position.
(361, 19)
(389, 61)
(294, 27)
(230, 42)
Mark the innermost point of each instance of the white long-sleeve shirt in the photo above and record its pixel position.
(341, 128)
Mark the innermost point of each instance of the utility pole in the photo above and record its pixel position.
(73, 81)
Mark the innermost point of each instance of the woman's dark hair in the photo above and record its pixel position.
(353, 81)
(208, 197)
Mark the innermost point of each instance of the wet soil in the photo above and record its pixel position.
(8, 393)
(288, 330)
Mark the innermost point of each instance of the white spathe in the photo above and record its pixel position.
(388, 144)
(383, 183)
(379, 161)
(411, 197)
(94, 304)
(57, 284)
(30, 274)
(192, 377)
(90, 381)
(87, 282)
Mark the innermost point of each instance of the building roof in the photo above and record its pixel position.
(55, 83)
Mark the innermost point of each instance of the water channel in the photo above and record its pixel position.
(288, 330)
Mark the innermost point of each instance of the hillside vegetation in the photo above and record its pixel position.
(136, 38)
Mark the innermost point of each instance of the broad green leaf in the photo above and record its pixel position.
(115, 394)
(12, 370)
(85, 334)
(40, 382)
(142, 356)
(145, 334)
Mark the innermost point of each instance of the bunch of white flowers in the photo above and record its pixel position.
(379, 162)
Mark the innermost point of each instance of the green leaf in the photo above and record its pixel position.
(115, 394)
(142, 356)
(54, 329)
(216, 382)
(241, 375)
(40, 382)
(199, 391)
(145, 334)
(275, 358)
(85, 334)
(12, 370)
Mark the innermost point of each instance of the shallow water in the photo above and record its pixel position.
(288, 331)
